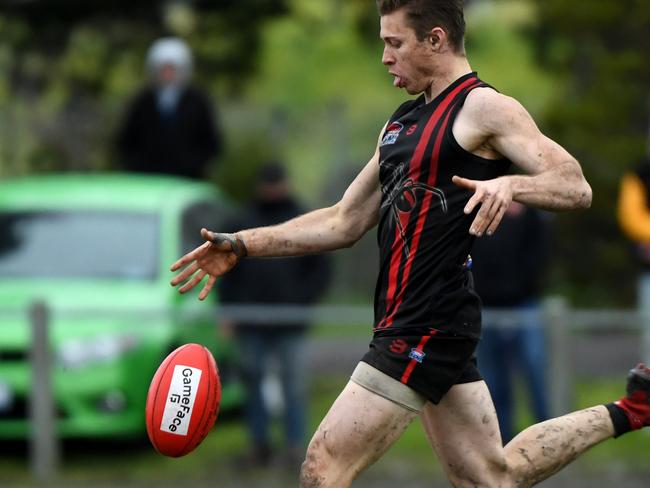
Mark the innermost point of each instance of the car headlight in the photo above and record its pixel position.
(80, 353)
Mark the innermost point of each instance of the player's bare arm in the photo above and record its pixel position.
(493, 125)
(326, 229)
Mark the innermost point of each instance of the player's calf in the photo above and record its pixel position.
(632, 412)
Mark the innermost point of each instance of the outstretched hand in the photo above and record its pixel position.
(494, 196)
(213, 258)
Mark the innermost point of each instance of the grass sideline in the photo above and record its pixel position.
(135, 463)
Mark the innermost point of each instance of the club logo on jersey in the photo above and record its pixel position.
(417, 355)
(391, 134)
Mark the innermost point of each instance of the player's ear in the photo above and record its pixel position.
(436, 38)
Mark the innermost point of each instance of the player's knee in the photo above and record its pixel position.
(313, 472)
(489, 473)
(310, 474)
(498, 466)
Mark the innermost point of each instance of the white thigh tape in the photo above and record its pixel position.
(383, 385)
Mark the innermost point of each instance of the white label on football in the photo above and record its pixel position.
(180, 401)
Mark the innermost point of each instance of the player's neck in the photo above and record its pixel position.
(456, 67)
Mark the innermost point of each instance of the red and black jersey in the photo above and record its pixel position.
(423, 232)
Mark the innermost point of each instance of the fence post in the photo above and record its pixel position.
(560, 374)
(44, 449)
(644, 326)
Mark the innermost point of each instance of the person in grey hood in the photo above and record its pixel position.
(170, 126)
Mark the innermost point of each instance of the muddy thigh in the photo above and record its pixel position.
(357, 430)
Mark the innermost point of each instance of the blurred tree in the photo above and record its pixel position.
(601, 114)
(73, 63)
(226, 32)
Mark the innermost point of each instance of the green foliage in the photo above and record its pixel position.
(76, 64)
(601, 115)
(498, 50)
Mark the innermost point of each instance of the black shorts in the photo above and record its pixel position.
(428, 360)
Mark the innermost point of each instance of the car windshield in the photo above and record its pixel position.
(79, 244)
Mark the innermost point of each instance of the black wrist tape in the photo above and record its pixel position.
(236, 243)
(619, 419)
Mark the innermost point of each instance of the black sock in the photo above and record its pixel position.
(619, 419)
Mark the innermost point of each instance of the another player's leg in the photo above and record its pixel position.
(357, 430)
(497, 367)
(292, 358)
(532, 351)
(253, 366)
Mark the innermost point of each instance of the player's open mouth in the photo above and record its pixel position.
(398, 81)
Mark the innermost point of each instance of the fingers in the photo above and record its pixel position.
(471, 204)
(470, 185)
(196, 279)
(191, 256)
(207, 287)
(185, 274)
(209, 256)
(479, 221)
(489, 217)
(484, 217)
(493, 196)
(497, 220)
(463, 182)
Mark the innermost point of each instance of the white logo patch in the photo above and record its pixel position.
(180, 402)
(391, 134)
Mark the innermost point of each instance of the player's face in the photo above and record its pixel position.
(409, 60)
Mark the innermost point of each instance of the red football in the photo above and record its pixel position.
(183, 400)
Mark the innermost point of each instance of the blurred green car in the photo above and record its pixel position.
(97, 250)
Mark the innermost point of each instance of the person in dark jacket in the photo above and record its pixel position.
(508, 269)
(272, 282)
(170, 126)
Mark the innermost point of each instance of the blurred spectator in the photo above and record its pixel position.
(169, 127)
(634, 218)
(278, 281)
(507, 270)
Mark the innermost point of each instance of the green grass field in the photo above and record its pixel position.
(411, 459)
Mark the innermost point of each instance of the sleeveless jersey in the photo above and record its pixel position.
(423, 232)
